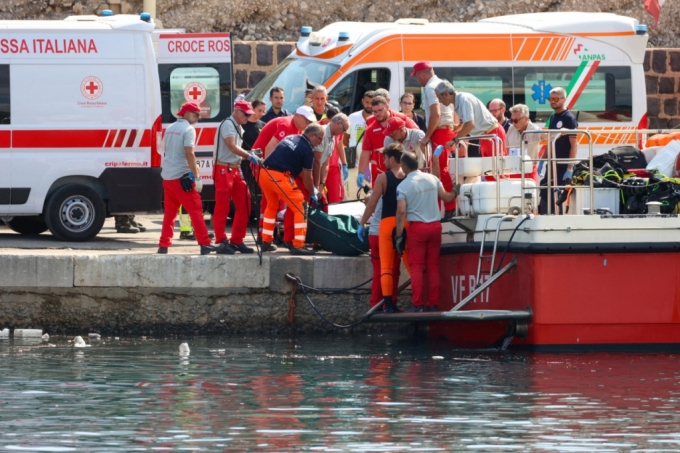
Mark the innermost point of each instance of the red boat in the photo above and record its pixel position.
(600, 281)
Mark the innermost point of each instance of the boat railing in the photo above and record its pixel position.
(551, 161)
(497, 151)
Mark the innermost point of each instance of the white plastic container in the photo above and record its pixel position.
(604, 198)
(476, 166)
(480, 197)
(28, 333)
(467, 166)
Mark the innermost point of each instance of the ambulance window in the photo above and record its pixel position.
(209, 85)
(485, 83)
(349, 92)
(606, 95)
(4, 94)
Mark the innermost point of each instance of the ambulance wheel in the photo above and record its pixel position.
(27, 225)
(75, 212)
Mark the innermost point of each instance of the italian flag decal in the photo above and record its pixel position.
(581, 78)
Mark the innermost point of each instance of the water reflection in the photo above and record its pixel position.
(360, 394)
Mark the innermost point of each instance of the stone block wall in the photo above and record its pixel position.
(662, 76)
(253, 60)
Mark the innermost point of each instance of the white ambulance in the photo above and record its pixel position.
(80, 121)
(596, 57)
(196, 67)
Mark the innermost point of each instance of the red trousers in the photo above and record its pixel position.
(289, 217)
(424, 241)
(442, 137)
(230, 185)
(278, 186)
(336, 189)
(486, 147)
(174, 197)
(376, 286)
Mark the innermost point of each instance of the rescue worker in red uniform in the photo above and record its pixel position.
(385, 188)
(418, 207)
(270, 136)
(374, 138)
(179, 185)
(291, 158)
(441, 127)
(229, 181)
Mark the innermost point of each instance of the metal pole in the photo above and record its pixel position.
(549, 169)
(590, 163)
(149, 6)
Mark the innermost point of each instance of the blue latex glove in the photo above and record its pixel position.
(438, 150)
(192, 177)
(360, 180)
(314, 200)
(345, 172)
(361, 232)
(254, 159)
(567, 175)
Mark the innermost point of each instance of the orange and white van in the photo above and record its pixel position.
(80, 111)
(596, 57)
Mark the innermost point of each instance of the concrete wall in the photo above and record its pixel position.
(151, 294)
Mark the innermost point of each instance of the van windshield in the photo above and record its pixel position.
(292, 75)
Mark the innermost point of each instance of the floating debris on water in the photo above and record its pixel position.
(184, 349)
(46, 338)
(94, 336)
(78, 342)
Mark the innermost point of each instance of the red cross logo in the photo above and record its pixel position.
(195, 92)
(91, 87)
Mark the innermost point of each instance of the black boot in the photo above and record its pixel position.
(390, 306)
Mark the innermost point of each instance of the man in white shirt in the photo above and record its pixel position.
(519, 116)
(418, 202)
(229, 181)
(357, 126)
(440, 122)
(179, 174)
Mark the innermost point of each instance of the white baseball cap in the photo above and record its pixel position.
(307, 112)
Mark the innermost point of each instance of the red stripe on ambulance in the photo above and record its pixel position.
(207, 136)
(119, 138)
(88, 138)
(5, 139)
(131, 139)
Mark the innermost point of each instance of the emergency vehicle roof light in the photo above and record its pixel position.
(107, 13)
(305, 31)
(146, 17)
(640, 29)
(343, 36)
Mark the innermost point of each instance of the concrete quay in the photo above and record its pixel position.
(116, 284)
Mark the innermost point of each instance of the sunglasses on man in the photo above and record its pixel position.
(555, 99)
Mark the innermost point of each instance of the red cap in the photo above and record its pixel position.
(245, 106)
(421, 66)
(188, 107)
(393, 125)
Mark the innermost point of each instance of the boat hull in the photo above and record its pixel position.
(578, 300)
